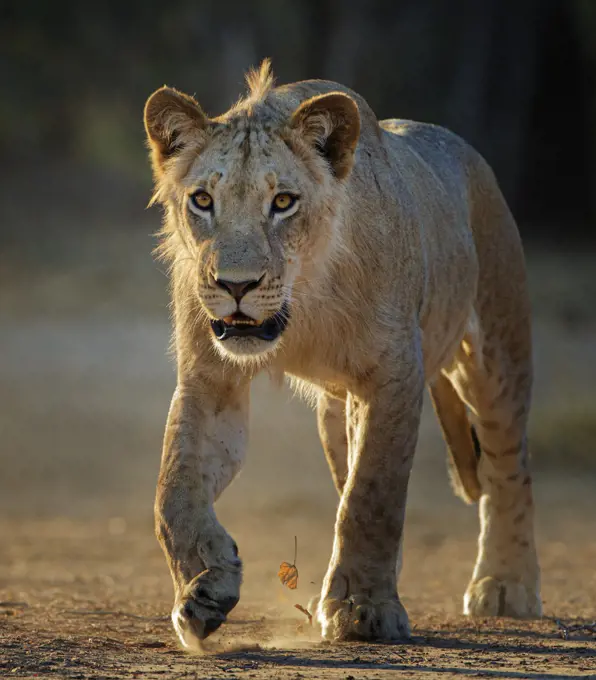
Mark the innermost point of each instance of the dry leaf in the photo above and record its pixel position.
(288, 575)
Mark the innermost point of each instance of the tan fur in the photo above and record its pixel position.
(463, 460)
(401, 266)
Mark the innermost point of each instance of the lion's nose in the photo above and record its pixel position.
(238, 289)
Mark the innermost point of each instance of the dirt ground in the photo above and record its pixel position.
(84, 588)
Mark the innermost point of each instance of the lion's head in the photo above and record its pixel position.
(252, 198)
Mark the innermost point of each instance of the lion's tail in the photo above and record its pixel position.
(462, 443)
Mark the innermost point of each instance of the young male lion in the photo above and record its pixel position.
(366, 259)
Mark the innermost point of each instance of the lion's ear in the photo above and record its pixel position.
(172, 119)
(331, 122)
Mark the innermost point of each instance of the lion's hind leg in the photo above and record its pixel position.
(494, 379)
(461, 439)
(331, 421)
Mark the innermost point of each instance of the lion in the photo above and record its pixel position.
(365, 260)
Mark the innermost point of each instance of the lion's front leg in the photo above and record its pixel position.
(359, 597)
(204, 448)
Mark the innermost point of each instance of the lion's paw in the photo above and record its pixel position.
(493, 597)
(204, 605)
(363, 619)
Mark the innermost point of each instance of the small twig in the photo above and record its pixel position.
(305, 611)
(102, 612)
(566, 629)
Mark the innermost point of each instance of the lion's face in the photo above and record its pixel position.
(255, 205)
(246, 212)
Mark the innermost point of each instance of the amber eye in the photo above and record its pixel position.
(201, 201)
(283, 202)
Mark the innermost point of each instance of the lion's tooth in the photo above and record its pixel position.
(232, 321)
(243, 322)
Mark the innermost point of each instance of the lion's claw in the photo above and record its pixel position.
(203, 607)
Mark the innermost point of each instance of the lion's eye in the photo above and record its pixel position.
(201, 201)
(283, 202)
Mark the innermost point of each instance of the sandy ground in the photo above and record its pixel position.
(90, 599)
(84, 588)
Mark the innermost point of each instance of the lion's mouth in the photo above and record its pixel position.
(241, 326)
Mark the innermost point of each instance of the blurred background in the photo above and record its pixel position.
(85, 380)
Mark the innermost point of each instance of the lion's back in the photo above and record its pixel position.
(429, 153)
